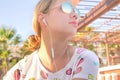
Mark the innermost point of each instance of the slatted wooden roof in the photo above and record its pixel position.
(104, 17)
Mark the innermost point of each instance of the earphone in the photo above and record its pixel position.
(44, 21)
(52, 49)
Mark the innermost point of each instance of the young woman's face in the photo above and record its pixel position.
(61, 22)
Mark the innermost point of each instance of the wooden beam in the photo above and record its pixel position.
(109, 18)
(114, 37)
(97, 11)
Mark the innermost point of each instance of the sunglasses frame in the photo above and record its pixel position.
(69, 5)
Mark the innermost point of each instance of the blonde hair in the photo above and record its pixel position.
(43, 7)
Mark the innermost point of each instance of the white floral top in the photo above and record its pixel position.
(83, 64)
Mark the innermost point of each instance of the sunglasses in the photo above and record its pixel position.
(68, 8)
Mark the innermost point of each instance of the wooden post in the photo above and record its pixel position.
(107, 50)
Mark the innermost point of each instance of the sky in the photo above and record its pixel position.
(18, 15)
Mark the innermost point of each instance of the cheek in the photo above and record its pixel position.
(59, 19)
(59, 23)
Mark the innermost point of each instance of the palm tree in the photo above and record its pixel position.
(24, 50)
(8, 37)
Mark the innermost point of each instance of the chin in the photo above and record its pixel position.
(72, 34)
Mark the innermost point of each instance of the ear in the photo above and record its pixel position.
(41, 17)
(41, 20)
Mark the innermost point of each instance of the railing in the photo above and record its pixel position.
(109, 73)
(115, 60)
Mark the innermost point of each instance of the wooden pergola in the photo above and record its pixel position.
(104, 17)
(100, 10)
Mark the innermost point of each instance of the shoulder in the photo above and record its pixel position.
(28, 57)
(86, 57)
(86, 53)
(18, 67)
(86, 65)
(78, 52)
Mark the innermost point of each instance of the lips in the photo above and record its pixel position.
(75, 23)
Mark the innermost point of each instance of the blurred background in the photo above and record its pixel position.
(99, 31)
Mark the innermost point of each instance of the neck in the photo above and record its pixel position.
(58, 45)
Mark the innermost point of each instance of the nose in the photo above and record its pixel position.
(74, 15)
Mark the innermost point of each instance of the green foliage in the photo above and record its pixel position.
(11, 43)
(14, 61)
(16, 40)
(25, 49)
(8, 38)
(6, 34)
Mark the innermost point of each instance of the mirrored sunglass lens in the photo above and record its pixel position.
(67, 7)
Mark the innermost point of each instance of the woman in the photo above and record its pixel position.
(55, 22)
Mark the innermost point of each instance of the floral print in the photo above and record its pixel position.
(79, 51)
(17, 74)
(43, 74)
(69, 71)
(80, 61)
(90, 77)
(56, 79)
(78, 70)
(32, 79)
(79, 67)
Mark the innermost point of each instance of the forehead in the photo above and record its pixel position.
(74, 2)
